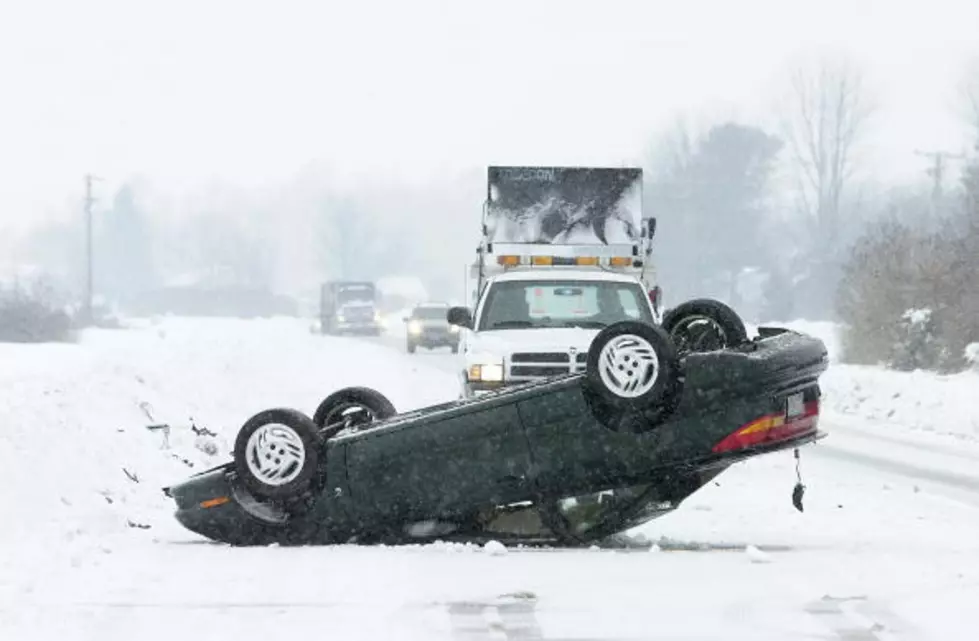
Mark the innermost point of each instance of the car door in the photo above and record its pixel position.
(445, 462)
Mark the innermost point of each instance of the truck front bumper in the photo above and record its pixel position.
(476, 388)
(482, 387)
(366, 327)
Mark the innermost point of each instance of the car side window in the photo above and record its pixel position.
(627, 296)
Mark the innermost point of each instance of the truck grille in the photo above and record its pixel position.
(526, 366)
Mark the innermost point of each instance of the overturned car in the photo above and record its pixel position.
(659, 411)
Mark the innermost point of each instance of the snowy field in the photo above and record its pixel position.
(887, 549)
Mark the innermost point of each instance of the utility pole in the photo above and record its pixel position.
(89, 201)
(937, 173)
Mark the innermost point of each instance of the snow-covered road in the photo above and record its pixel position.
(887, 548)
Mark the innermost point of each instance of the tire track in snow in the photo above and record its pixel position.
(960, 481)
(916, 444)
(961, 487)
(860, 619)
(513, 619)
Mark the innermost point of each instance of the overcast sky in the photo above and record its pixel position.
(185, 92)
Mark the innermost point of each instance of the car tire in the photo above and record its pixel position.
(276, 453)
(412, 348)
(704, 325)
(374, 406)
(632, 366)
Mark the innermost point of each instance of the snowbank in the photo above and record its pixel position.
(894, 401)
(77, 459)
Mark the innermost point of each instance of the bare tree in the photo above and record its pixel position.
(826, 116)
(709, 192)
(823, 119)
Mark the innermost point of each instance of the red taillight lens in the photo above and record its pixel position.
(771, 428)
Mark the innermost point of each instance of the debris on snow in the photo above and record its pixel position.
(207, 445)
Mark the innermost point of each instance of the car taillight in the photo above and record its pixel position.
(771, 428)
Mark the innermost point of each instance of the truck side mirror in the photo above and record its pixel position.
(460, 316)
(650, 227)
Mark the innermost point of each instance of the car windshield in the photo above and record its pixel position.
(430, 313)
(562, 303)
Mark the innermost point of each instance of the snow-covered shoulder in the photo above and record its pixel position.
(91, 432)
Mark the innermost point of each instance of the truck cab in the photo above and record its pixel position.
(349, 307)
(540, 300)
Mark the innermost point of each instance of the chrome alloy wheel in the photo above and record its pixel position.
(275, 454)
(628, 366)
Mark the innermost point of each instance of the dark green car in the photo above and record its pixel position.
(659, 411)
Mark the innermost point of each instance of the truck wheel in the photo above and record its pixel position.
(632, 365)
(277, 453)
(351, 408)
(704, 325)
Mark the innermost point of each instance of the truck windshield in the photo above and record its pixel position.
(356, 294)
(562, 303)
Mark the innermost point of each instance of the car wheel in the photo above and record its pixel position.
(411, 348)
(277, 453)
(704, 325)
(631, 365)
(351, 408)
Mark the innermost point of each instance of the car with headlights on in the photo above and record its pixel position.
(428, 327)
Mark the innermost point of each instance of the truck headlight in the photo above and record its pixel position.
(487, 372)
(414, 327)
